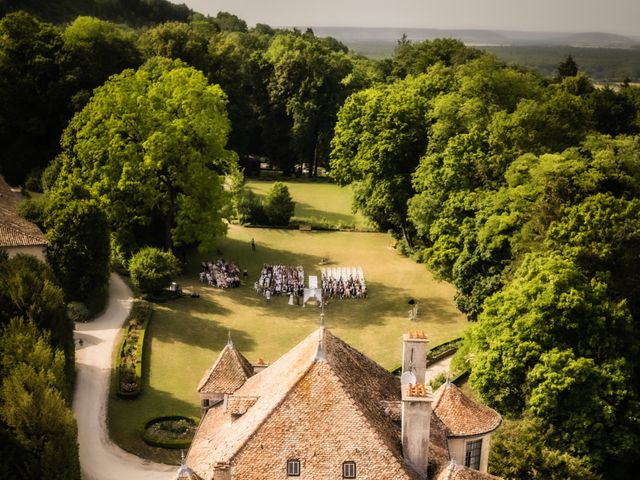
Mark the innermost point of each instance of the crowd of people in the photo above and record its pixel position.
(220, 274)
(343, 283)
(280, 280)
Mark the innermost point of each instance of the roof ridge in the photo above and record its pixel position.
(228, 349)
(438, 396)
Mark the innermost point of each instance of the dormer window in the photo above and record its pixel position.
(293, 468)
(472, 454)
(349, 470)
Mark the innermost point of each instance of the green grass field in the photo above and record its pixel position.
(318, 201)
(186, 335)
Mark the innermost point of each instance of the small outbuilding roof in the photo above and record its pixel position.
(461, 415)
(228, 374)
(453, 471)
(15, 231)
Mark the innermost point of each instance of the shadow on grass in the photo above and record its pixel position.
(384, 300)
(126, 416)
(193, 321)
(306, 210)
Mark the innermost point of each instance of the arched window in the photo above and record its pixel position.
(349, 470)
(293, 468)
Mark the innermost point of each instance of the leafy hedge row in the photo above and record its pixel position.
(437, 353)
(129, 363)
(166, 443)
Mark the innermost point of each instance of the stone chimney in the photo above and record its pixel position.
(259, 366)
(416, 425)
(414, 354)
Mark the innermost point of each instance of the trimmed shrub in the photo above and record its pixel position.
(250, 210)
(152, 269)
(129, 364)
(177, 431)
(278, 205)
(78, 312)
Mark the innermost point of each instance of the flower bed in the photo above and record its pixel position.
(173, 431)
(129, 366)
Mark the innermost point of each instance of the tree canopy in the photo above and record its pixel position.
(151, 145)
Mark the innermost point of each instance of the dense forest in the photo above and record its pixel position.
(521, 190)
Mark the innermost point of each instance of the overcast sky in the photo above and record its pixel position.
(611, 16)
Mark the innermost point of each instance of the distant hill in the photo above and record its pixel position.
(600, 40)
(604, 57)
(359, 38)
(132, 12)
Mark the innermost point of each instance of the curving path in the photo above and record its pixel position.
(441, 366)
(101, 459)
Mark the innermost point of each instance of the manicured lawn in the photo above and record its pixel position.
(186, 335)
(318, 201)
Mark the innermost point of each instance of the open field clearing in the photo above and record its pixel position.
(186, 335)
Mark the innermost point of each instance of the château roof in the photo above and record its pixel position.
(228, 374)
(340, 395)
(462, 416)
(453, 471)
(321, 408)
(15, 231)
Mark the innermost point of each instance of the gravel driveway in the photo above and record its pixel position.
(101, 459)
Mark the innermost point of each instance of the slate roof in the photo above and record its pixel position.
(15, 231)
(462, 416)
(320, 408)
(228, 373)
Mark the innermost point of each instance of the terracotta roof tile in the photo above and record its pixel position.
(461, 415)
(240, 405)
(438, 446)
(15, 231)
(453, 471)
(280, 413)
(228, 374)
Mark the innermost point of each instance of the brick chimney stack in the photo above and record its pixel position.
(414, 354)
(416, 425)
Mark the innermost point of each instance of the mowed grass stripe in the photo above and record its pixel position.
(317, 201)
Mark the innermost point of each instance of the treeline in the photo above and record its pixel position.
(521, 190)
(131, 12)
(524, 192)
(284, 87)
(37, 429)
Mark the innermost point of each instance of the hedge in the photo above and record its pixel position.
(140, 311)
(173, 444)
(436, 353)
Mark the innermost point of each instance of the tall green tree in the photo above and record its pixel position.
(380, 136)
(306, 89)
(567, 68)
(414, 58)
(32, 403)
(524, 448)
(93, 50)
(554, 344)
(29, 290)
(151, 145)
(79, 250)
(32, 103)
